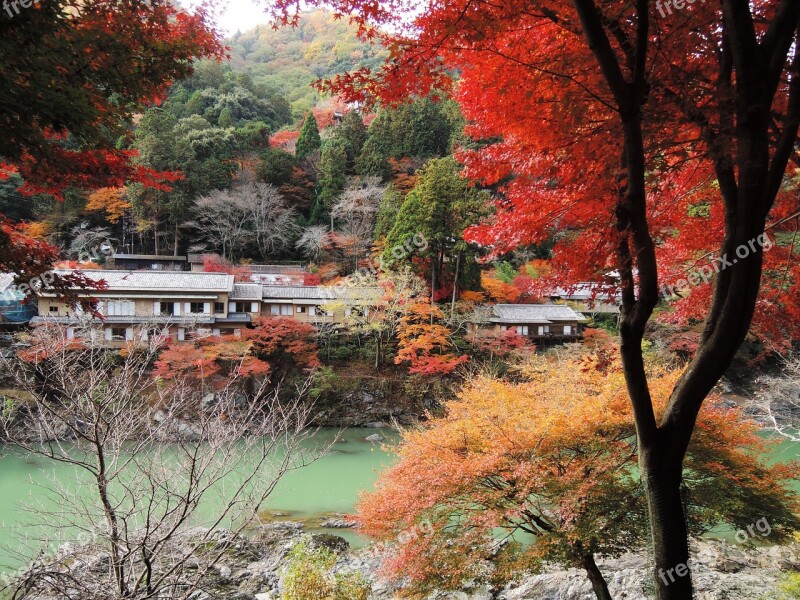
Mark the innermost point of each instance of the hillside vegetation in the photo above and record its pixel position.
(291, 59)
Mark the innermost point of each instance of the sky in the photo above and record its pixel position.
(238, 15)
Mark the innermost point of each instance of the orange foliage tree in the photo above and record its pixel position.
(499, 291)
(556, 463)
(111, 201)
(209, 362)
(423, 343)
(285, 343)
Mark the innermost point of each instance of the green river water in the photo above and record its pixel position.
(330, 485)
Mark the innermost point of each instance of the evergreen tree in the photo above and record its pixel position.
(332, 169)
(373, 160)
(354, 133)
(309, 140)
(440, 207)
(390, 205)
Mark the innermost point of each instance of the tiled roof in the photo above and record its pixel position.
(323, 293)
(276, 269)
(533, 313)
(150, 257)
(246, 291)
(159, 281)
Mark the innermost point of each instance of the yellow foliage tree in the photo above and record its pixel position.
(112, 201)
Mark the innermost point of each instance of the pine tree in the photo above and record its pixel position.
(309, 140)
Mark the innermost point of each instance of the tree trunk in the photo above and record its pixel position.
(596, 578)
(455, 285)
(668, 531)
(175, 248)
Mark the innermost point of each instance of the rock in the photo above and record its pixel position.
(337, 522)
(334, 543)
(264, 596)
(225, 572)
(377, 425)
(208, 400)
(188, 432)
(282, 526)
(375, 437)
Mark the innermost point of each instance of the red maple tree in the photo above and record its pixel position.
(642, 156)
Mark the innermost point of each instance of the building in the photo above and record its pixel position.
(149, 262)
(317, 304)
(588, 298)
(542, 323)
(134, 304)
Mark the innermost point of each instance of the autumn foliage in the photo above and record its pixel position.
(209, 361)
(423, 343)
(214, 263)
(555, 461)
(285, 343)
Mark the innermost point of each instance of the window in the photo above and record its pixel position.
(544, 329)
(567, 329)
(167, 308)
(243, 307)
(54, 310)
(118, 334)
(196, 308)
(522, 329)
(219, 308)
(301, 309)
(120, 308)
(275, 310)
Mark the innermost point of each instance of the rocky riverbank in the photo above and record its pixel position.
(252, 568)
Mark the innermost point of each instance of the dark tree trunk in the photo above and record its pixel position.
(668, 531)
(596, 578)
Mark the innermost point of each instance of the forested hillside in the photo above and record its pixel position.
(291, 59)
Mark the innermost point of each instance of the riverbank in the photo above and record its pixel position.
(252, 568)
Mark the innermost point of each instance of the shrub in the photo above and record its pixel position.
(308, 576)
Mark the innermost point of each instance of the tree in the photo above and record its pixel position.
(309, 140)
(273, 224)
(355, 211)
(286, 344)
(333, 174)
(71, 74)
(222, 218)
(314, 241)
(354, 133)
(556, 462)
(111, 201)
(214, 263)
(423, 343)
(441, 205)
(387, 213)
(662, 131)
(276, 167)
(136, 499)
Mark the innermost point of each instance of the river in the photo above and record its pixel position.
(329, 485)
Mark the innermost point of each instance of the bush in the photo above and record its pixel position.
(308, 576)
(790, 587)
